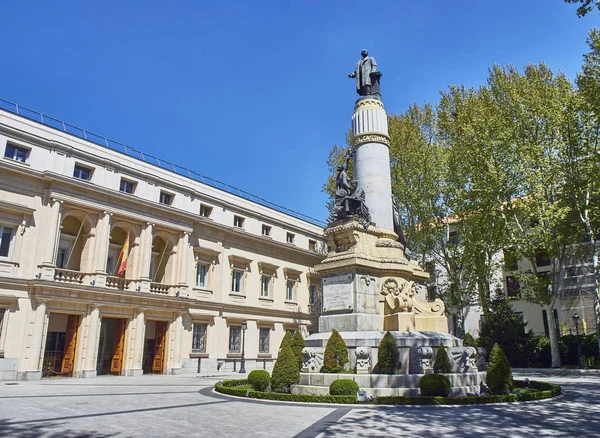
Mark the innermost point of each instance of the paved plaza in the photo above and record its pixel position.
(153, 406)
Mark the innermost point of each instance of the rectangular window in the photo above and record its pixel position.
(263, 340)
(513, 288)
(166, 198)
(266, 230)
(201, 275)
(313, 294)
(205, 210)
(290, 290)
(265, 290)
(235, 334)
(16, 153)
(82, 172)
(199, 338)
(127, 186)
(236, 281)
(289, 238)
(453, 238)
(238, 221)
(542, 258)
(6, 234)
(312, 245)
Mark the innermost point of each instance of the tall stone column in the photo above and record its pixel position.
(372, 159)
(177, 335)
(49, 238)
(145, 251)
(37, 329)
(137, 353)
(91, 342)
(102, 242)
(184, 252)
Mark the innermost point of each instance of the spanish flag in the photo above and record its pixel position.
(123, 256)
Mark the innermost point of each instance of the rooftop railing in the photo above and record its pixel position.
(150, 159)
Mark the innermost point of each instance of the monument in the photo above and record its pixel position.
(369, 286)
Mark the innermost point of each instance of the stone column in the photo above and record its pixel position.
(49, 237)
(184, 257)
(137, 353)
(102, 242)
(91, 341)
(372, 159)
(177, 335)
(37, 329)
(145, 256)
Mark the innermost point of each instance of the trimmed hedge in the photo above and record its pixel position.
(542, 390)
(343, 387)
(442, 361)
(388, 356)
(336, 354)
(259, 379)
(499, 374)
(436, 385)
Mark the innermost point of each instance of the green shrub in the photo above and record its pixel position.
(343, 387)
(232, 389)
(336, 354)
(297, 346)
(422, 400)
(285, 371)
(236, 382)
(469, 341)
(436, 385)
(442, 362)
(388, 357)
(259, 379)
(303, 398)
(499, 373)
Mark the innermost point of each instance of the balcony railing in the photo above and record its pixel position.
(118, 283)
(69, 276)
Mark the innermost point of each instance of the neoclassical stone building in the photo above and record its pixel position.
(205, 261)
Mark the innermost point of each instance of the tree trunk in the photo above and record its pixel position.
(554, 347)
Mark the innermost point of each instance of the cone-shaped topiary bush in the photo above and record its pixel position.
(499, 373)
(297, 345)
(336, 354)
(259, 379)
(288, 337)
(435, 385)
(285, 371)
(442, 362)
(469, 341)
(388, 357)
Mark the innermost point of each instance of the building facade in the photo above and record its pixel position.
(576, 291)
(210, 274)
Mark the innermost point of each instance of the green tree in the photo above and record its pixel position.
(336, 354)
(442, 361)
(388, 357)
(297, 345)
(586, 6)
(582, 158)
(506, 328)
(285, 371)
(286, 338)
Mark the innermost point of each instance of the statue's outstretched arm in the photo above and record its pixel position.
(352, 75)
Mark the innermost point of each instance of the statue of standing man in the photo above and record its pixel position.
(367, 76)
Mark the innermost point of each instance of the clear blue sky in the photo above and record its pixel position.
(255, 93)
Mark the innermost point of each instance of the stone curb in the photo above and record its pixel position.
(555, 371)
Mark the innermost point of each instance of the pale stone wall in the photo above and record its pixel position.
(38, 195)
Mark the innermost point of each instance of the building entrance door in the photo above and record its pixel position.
(61, 345)
(154, 347)
(111, 346)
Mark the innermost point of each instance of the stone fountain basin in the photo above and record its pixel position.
(378, 385)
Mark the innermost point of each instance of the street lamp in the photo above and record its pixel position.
(243, 364)
(579, 358)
